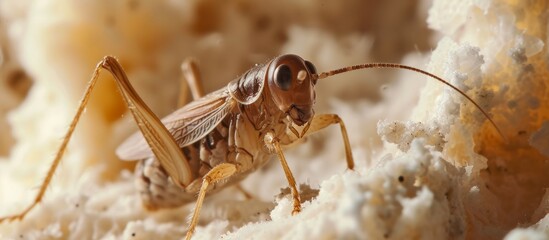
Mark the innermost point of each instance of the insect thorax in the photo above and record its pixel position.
(237, 139)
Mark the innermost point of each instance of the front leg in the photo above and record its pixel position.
(318, 123)
(273, 143)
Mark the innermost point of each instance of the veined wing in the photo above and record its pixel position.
(187, 125)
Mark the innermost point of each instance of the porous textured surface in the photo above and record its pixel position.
(429, 164)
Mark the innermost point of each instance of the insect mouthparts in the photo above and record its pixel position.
(299, 116)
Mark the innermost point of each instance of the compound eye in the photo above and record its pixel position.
(310, 67)
(283, 77)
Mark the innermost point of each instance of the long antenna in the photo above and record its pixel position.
(396, 65)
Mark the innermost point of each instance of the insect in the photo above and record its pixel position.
(224, 135)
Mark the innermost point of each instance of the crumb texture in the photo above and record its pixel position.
(429, 164)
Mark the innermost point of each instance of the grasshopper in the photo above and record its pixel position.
(224, 135)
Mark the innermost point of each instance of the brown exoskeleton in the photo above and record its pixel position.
(226, 134)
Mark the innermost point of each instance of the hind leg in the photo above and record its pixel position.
(161, 142)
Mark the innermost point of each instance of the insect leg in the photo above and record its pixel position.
(163, 145)
(191, 76)
(322, 121)
(219, 172)
(270, 140)
(160, 140)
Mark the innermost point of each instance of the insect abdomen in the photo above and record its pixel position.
(158, 191)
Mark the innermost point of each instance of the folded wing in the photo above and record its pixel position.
(187, 125)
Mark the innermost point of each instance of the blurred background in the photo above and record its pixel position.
(58, 43)
(49, 49)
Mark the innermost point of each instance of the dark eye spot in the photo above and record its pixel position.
(283, 77)
(311, 68)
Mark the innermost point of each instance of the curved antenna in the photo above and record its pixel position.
(396, 65)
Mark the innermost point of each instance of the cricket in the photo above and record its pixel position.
(219, 138)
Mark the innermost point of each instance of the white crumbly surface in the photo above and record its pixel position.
(429, 164)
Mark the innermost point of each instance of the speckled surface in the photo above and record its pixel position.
(429, 165)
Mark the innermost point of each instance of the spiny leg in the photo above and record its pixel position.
(158, 137)
(322, 121)
(271, 140)
(219, 172)
(318, 123)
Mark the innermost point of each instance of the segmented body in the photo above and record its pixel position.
(236, 139)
